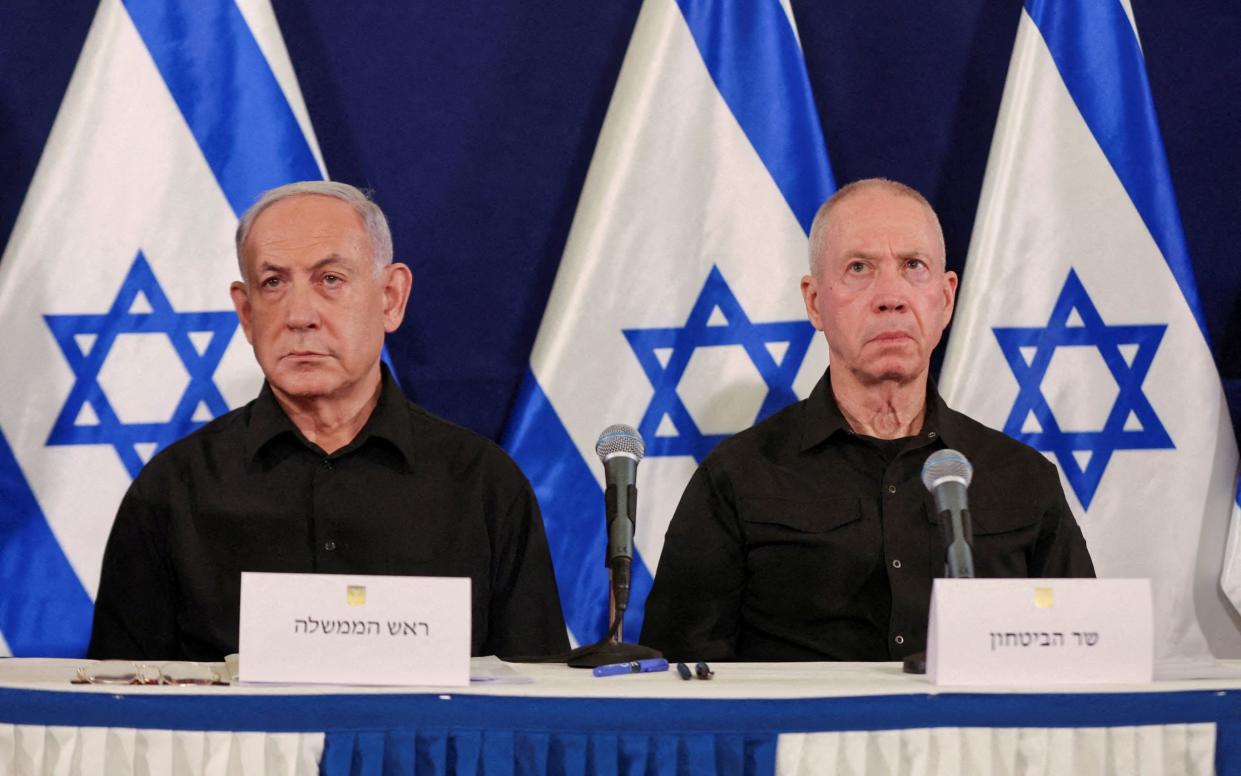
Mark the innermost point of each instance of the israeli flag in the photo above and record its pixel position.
(1079, 329)
(676, 308)
(119, 335)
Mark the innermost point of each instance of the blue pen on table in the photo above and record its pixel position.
(650, 665)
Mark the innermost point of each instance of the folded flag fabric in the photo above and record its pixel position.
(1079, 330)
(676, 306)
(119, 333)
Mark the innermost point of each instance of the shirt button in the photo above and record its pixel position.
(899, 639)
(329, 546)
(930, 435)
(896, 564)
(891, 488)
(327, 463)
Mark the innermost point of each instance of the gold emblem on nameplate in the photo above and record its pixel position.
(1044, 598)
(355, 595)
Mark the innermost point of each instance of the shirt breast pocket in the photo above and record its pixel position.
(791, 544)
(794, 528)
(776, 521)
(1004, 539)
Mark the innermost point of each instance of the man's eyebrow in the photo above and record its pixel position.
(914, 253)
(860, 254)
(331, 258)
(328, 260)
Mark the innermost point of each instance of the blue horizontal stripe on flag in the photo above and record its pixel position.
(228, 95)
(1097, 53)
(573, 514)
(44, 610)
(756, 62)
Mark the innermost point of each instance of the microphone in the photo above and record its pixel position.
(946, 474)
(620, 448)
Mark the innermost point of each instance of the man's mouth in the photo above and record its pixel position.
(891, 336)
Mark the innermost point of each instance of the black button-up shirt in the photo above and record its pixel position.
(411, 495)
(800, 540)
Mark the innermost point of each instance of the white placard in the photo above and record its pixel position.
(354, 629)
(1040, 631)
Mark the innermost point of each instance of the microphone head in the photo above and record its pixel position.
(946, 466)
(620, 439)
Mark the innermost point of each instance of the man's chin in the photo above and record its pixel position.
(304, 383)
(898, 371)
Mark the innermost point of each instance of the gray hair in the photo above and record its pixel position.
(818, 228)
(373, 218)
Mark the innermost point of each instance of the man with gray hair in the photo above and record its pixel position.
(331, 469)
(810, 535)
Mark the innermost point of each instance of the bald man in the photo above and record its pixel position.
(810, 535)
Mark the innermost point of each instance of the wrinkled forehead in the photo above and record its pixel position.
(878, 219)
(307, 224)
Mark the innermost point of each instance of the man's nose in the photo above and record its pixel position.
(301, 310)
(889, 291)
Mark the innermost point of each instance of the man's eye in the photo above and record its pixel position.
(857, 266)
(332, 280)
(915, 263)
(271, 282)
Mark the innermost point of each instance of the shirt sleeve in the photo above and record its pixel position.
(525, 617)
(135, 609)
(694, 609)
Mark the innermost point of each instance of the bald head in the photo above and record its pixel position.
(823, 219)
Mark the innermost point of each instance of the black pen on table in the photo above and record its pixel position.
(702, 670)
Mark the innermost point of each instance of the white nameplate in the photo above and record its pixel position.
(1040, 631)
(354, 629)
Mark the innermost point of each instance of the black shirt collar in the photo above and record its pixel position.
(823, 417)
(389, 422)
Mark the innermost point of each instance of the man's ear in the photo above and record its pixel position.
(950, 295)
(810, 295)
(241, 303)
(397, 280)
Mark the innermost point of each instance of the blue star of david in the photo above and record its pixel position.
(1147, 434)
(86, 361)
(737, 329)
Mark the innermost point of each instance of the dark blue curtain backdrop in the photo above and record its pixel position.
(474, 123)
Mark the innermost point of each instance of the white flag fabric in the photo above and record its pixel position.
(1079, 329)
(1230, 578)
(676, 308)
(119, 335)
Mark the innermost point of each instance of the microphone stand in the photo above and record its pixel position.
(620, 448)
(612, 648)
(959, 565)
(955, 524)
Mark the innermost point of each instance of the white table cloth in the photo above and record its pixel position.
(863, 718)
